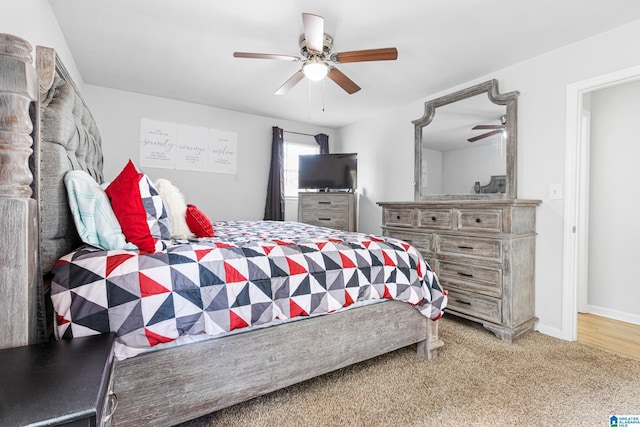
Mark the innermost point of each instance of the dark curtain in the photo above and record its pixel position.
(274, 208)
(323, 142)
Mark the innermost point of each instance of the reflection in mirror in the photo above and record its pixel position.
(465, 145)
(453, 159)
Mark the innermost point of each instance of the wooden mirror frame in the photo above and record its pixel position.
(509, 100)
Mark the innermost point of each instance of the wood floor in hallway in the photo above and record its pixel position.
(612, 335)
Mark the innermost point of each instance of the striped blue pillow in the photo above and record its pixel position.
(93, 216)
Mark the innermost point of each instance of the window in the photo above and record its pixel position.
(291, 152)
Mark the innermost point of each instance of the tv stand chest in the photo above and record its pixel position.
(333, 210)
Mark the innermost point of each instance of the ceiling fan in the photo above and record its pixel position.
(317, 58)
(493, 129)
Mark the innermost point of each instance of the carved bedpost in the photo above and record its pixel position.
(19, 266)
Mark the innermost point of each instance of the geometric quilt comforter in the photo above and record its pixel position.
(250, 273)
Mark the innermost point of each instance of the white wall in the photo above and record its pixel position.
(613, 230)
(385, 143)
(220, 196)
(432, 171)
(456, 171)
(462, 168)
(34, 21)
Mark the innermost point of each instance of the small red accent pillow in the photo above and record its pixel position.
(198, 222)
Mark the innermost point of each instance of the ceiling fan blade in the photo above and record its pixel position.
(313, 31)
(487, 127)
(343, 81)
(293, 80)
(484, 135)
(265, 56)
(385, 54)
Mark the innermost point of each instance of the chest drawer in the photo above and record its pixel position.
(475, 278)
(476, 305)
(422, 241)
(437, 219)
(398, 217)
(489, 249)
(325, 203)
(484, 220)
(326, 219)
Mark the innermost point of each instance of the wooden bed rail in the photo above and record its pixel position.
(19, 267)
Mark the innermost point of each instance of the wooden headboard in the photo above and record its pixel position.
(45, 130)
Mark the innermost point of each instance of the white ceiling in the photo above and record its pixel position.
(182, 49)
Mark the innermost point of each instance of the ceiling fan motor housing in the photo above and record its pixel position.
(327, 44)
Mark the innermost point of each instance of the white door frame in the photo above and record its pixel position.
(576, 212)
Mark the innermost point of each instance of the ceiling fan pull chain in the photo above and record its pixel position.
(323, 95)
(309, 103)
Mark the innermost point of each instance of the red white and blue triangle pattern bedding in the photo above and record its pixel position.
(251, 273)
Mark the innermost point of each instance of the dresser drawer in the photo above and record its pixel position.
(489, 249)
(475, 278)
(485, 220)
(437, 219)
(326, 219)
(422, 241)
(325, 202)
(479, 306)
(398, 217)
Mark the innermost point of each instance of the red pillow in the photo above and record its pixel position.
(126, 201)
(198, 222)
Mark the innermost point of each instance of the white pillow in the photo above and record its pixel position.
(92, 214)
(176, 208)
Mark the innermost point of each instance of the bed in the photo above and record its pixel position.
(379, 293)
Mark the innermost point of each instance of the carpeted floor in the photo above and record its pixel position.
(477, 380)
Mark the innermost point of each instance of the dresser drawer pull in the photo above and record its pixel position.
(324, 219)
(463, 302)
(324, 203)
(460, 273)
(478, 220)
(466, 247)
(398, 217)
(433, 218)
(113, 404)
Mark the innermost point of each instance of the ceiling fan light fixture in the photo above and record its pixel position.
(317, 57)
(315, 70)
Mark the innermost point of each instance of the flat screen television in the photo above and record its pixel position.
(328, 172)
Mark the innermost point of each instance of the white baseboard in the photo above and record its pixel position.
(614, 314)
(548, 330)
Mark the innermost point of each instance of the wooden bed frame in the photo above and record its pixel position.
(173, 385)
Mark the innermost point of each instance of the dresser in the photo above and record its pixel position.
(483, 252)
(334, 210)
(64, 383)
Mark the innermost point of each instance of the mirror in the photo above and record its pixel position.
(465, 145)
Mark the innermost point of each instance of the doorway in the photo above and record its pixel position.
(576, 218)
